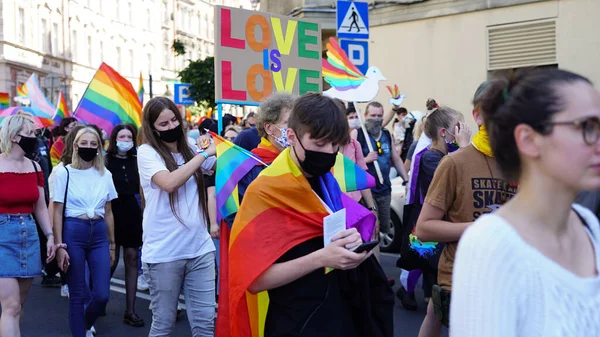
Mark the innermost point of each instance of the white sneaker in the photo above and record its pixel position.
(89, 333)
(142, 284)
(93, 330)
(64, 291)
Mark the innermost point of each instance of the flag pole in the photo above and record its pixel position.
(369, 144)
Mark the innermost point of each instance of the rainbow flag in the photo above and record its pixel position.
(350, 176)
(37, 98)
(22, 90)
(4, 100)
(141, 90)
(109, 100)
(61, 109)
(279, 211)
(56, 151)
(233, 162)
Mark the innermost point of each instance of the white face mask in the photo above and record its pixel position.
(283, 140)
(124, 146)
(354, 123)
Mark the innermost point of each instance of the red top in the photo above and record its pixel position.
(19, 191)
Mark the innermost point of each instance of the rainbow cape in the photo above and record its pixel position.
(266, 151)
(279, 211)
(141, 90)
(37, 98)
(109, 100)
(338, 70)
(61, 109)
(350, 176)
(4, 100)
(56, 151)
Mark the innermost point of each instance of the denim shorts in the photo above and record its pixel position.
(19, 247)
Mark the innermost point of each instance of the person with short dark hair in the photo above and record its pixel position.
(278, 244)
(532, 267)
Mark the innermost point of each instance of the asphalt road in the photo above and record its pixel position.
(46, 312)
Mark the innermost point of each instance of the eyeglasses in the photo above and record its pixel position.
(590, 128)
(231, 139)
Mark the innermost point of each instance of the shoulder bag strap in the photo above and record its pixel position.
(65, 200)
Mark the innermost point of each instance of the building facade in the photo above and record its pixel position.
(64, 41)
(445, 49)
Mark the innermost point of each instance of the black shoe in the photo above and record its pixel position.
(408, 300)
(391, 281)
(179, 316)
(133, 320)
(51, 282)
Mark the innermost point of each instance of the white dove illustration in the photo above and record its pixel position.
(347, 82)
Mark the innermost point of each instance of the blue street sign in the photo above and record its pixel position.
(358, 53)
(183, 95)
(352, 20)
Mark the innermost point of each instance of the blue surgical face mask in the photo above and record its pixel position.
(282, 140)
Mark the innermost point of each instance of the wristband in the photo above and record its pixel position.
(204, 154)
(49, 234)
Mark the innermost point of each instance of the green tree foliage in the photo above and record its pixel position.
(201, 75)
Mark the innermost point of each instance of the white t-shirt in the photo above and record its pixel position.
(165, 238)
(89, 191)
(52, 177)
(504, 287)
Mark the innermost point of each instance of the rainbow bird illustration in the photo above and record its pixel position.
(397, 97)
(347, 82)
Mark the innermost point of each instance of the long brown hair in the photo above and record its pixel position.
(149, 136)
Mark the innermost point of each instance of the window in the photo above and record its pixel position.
(205, 31)
(165, 12)
(149, 18)
(89, 50)
(101, 51)
(130, 13)
(117, 11)
(166, 55)
(211, 29)
(55, 46)
(74, 54)
(119, 60)
(131, 60)
(21, 26)
(44, 36)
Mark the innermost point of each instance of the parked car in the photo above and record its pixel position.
(389, 242)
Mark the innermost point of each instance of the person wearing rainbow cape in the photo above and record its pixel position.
(281, 281)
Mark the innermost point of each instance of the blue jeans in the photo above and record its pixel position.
(87, 242)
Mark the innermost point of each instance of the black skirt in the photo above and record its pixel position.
(128, 221)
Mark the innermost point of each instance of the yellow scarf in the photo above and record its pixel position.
(481, 142)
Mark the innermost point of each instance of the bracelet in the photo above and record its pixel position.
(204, 154)
(49, 234)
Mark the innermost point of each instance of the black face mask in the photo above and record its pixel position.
(28, 144)
(87, 153)
(171, 136)
(316, 163)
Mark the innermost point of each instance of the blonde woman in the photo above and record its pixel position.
(84, 221)
(21, 196)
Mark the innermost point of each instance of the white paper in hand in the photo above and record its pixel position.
(333, 224)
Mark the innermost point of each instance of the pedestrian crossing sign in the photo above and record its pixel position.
(352, 20)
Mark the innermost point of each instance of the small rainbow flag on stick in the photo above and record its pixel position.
(4, 100)
(233, 162)
(22, 90)
(61, 108)
(141, 90)
(350, 176)
(109, 100)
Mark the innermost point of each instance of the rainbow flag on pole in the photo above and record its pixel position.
(350, 176)
(109, 100)
(4, 100)
(141, 90)
(37, 98)
(233, 162)
(61, 109)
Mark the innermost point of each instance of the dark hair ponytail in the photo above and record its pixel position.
(526, 97)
